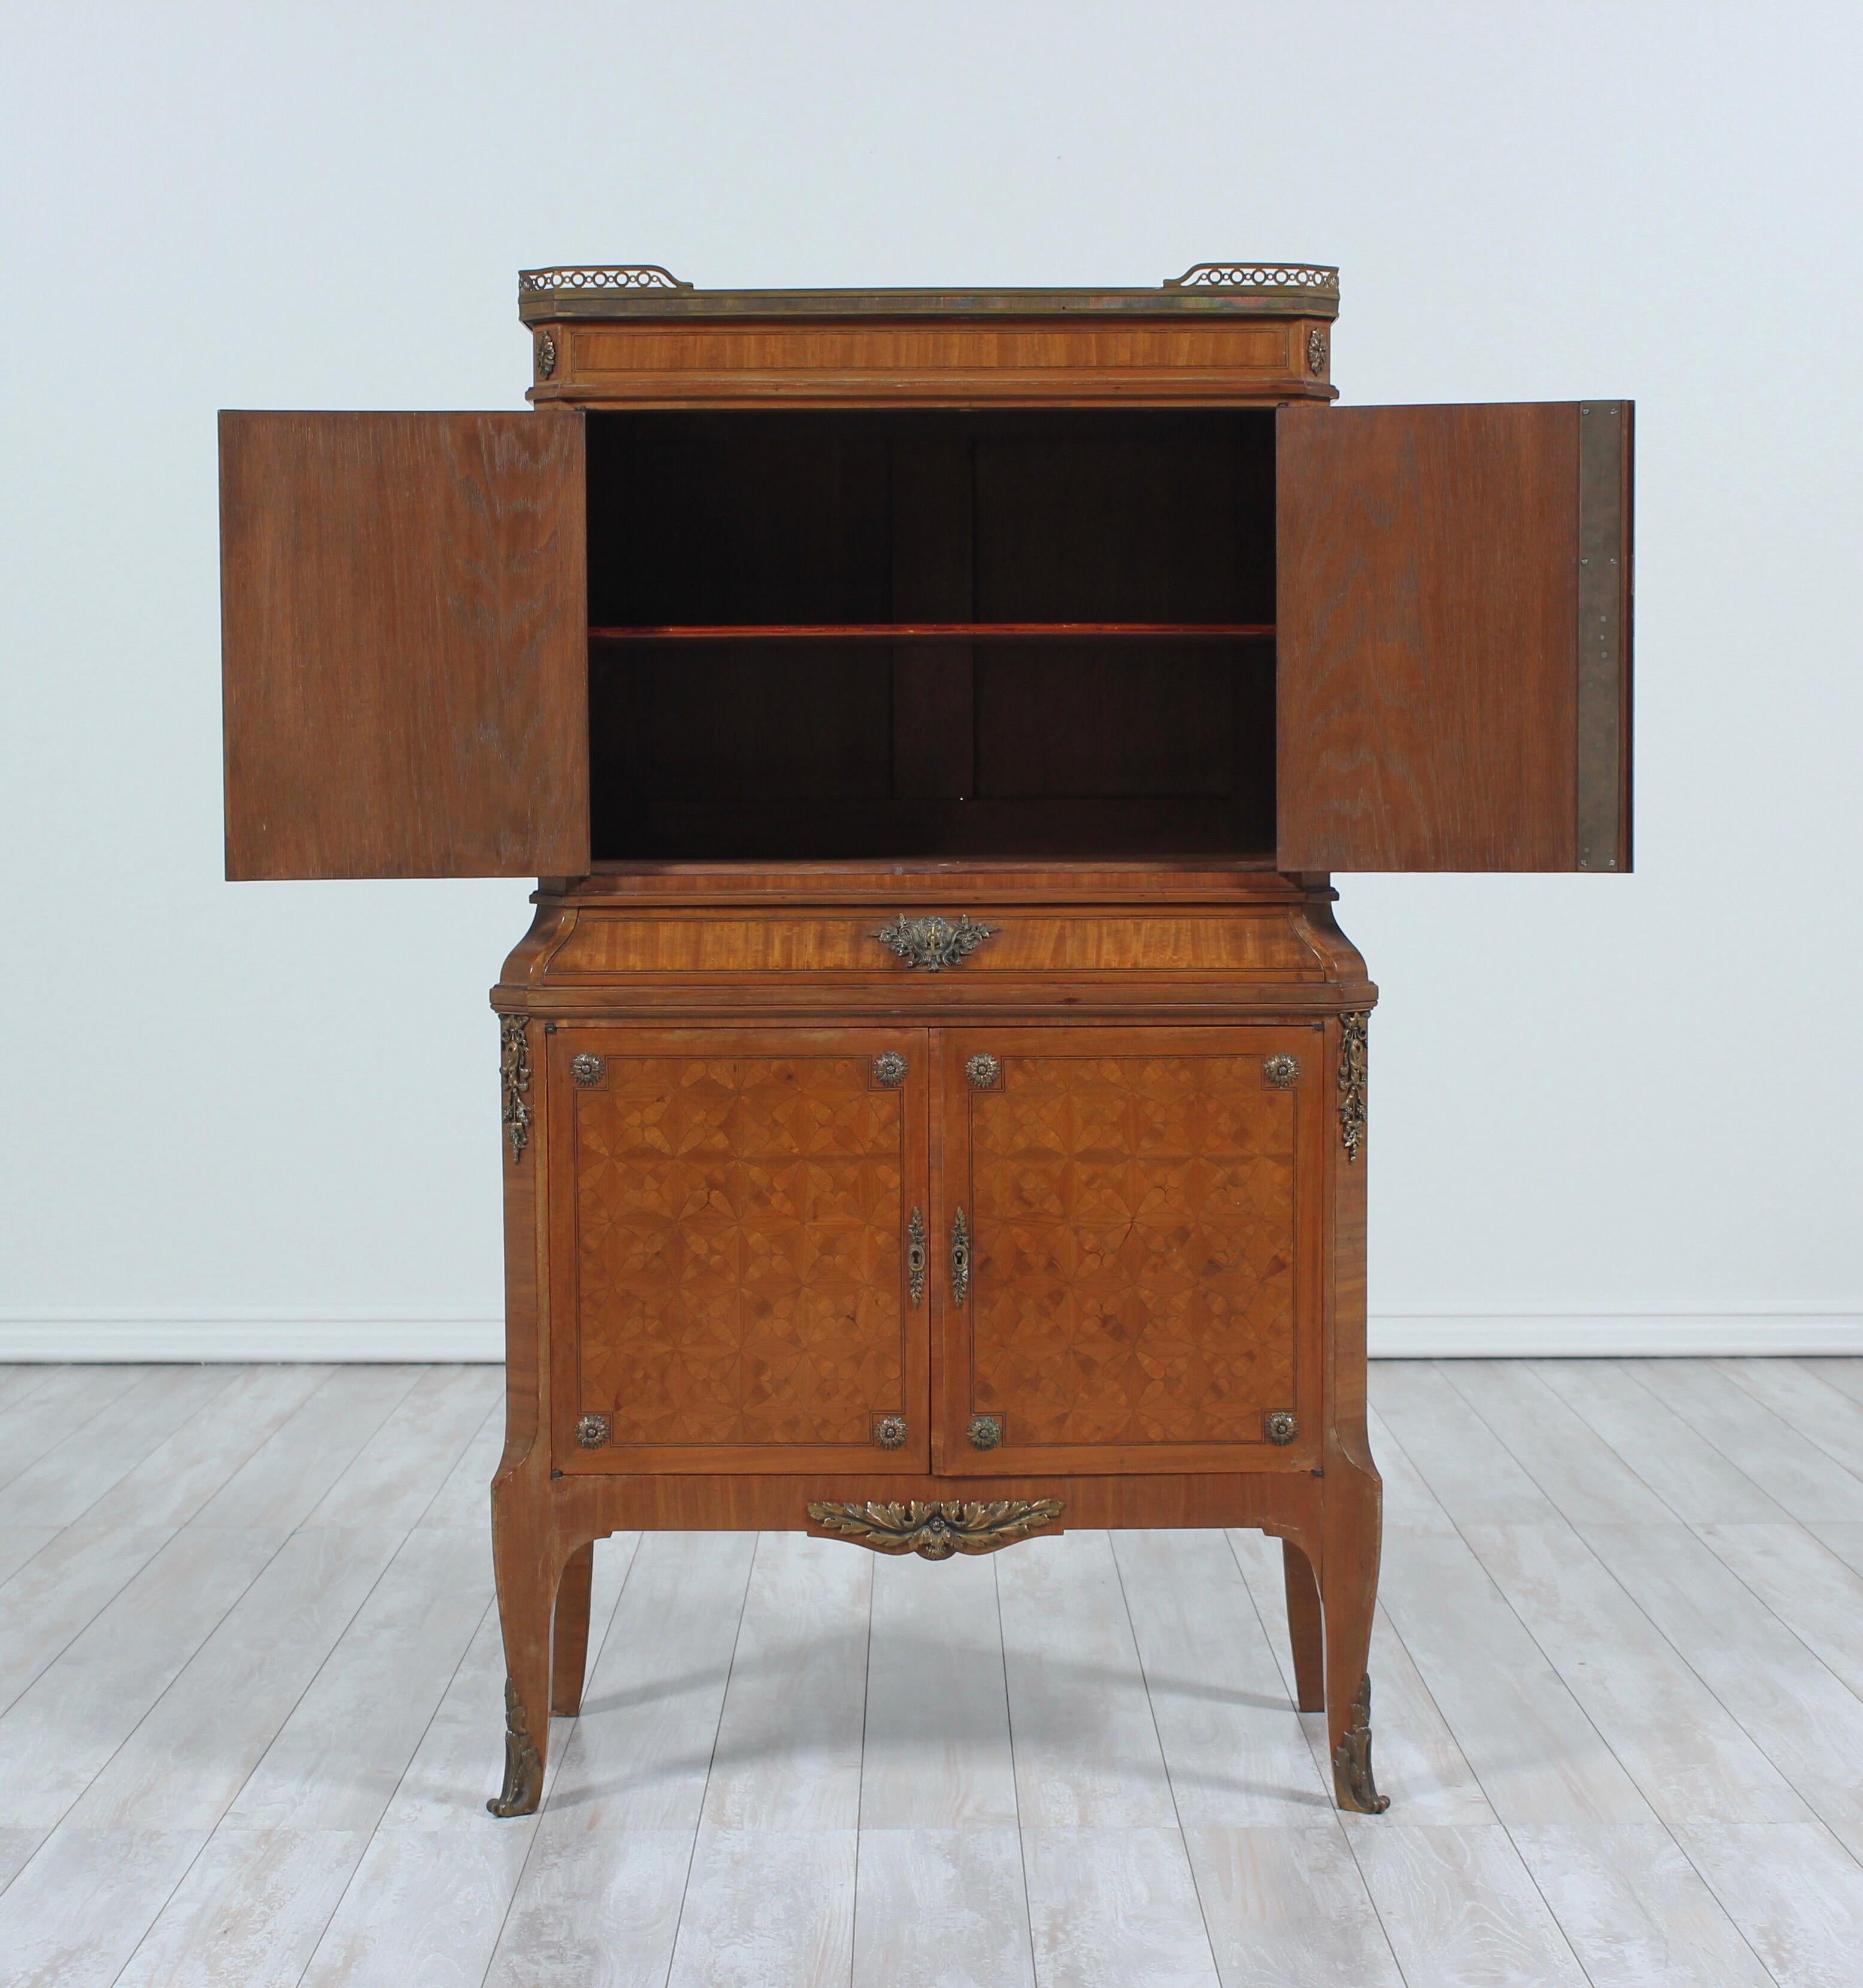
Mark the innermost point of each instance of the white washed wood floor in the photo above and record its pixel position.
(251, 1682)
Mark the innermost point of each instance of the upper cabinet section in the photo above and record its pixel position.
(1453, 637)
(1223, 334)
(404, 640)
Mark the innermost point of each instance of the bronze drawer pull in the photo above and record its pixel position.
(890, 1432)
(889, 1069)
(960, 1259)
(985, 1432)
(916, 1257)
(934, 943)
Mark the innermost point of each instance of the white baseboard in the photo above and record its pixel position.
(1593, 1335)
(246, 1336)
(261, 1335)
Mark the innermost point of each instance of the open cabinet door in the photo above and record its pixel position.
(1453, 644)
(405, 644)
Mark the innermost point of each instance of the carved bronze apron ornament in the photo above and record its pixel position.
(937, 1529)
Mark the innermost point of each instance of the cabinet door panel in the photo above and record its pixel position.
(729, 1220)
(1454, 673)
(405, 645)
(1143, 1209)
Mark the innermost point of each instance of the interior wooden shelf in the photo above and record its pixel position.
(948, 632)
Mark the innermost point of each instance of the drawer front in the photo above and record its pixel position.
(735, 1218)
(985, 943)
(1140, 1212)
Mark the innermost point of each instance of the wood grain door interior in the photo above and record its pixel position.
(1453, 632)
(1142, 1211)
(732, 1218)
(405, 644)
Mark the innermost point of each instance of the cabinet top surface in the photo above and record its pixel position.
(645, 290)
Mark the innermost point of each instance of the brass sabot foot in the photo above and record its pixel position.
(1352, 1784)
(523, 1788)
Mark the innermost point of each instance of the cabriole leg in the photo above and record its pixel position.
(569, 1638)
(524, 1564)
(1348, 1588)
(1304, 1630)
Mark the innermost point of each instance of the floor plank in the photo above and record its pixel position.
(941, 1908)
(400, 1470)
(1582, 1474)
(75, 1915)
(1461, 1908)
(189, 1757)
(1807, 1482)
(72, 1399)
(282, 1481)
(1803, 1400)
(1470, 1472)
(789, 1739)
(1637, 1912)
(176, 1477)
(1794, 1891)
(1680, 1465)
(73, 1476)
(595, 1908)
(61, 1589)
(338, 1758)
(1689, 1756)
(1539, 1758)
(1289, 1909)
(1814, 1592)
(60, 1733)
(936, 1754)
(1802, 1717)
(250, 1911)
(423, 1906)
(1115, 1909)
(1086, 1743)
(1232, 1739)
(767, 1905)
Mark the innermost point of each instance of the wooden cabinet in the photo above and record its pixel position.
(934, 1087)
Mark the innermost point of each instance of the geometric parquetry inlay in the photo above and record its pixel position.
(1134, 1249)
(739, 1247)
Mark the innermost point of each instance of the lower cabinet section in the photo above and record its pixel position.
(1117, 1266)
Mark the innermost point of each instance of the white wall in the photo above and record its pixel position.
(1606, 1113)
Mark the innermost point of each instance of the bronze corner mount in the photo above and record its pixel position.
(514, 1081)
(1353, 1055)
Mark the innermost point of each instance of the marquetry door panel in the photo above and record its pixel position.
(732, 1217)
(1142, 1211)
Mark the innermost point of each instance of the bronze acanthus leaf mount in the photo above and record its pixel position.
(515, 1079)
(1352, 1761)
(934, 943)
(937, 1529)
(1352, 1062)
(523, 1765)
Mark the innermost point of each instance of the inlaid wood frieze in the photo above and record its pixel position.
(740, 1250)
(1133, 1247)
